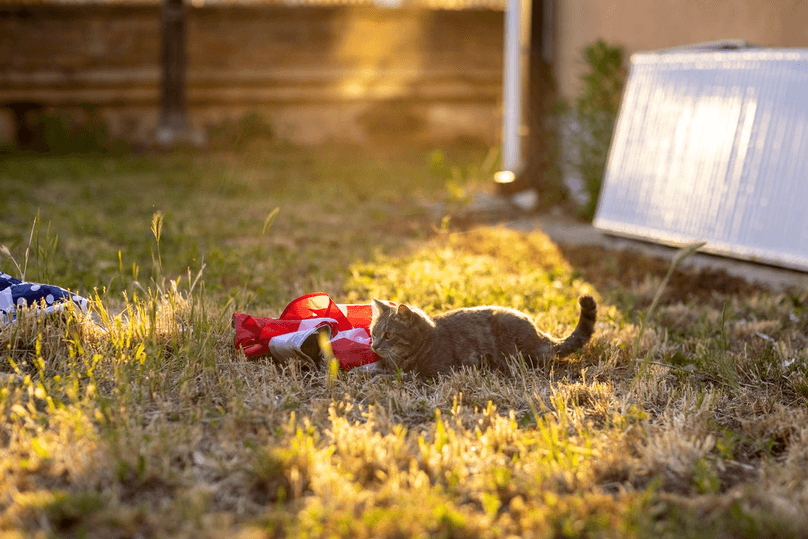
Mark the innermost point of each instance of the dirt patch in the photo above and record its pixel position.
(608, 269)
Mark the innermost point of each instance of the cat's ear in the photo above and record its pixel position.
(404, 312)
(379, 307)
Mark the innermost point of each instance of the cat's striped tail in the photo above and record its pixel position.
(583, 331)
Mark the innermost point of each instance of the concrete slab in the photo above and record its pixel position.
(566, 230)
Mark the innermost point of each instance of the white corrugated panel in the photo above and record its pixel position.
(713, 146)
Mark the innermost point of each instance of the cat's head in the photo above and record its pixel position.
(397, 332)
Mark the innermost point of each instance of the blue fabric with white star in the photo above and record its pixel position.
(16, 294)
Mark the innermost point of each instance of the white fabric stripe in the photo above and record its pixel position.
(357, 335)
(310, 323)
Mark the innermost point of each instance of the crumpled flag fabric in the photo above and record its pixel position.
(16, 294)
(292, 334)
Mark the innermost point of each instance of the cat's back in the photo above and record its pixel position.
(476, 319)
(464, 315)
(480, 314)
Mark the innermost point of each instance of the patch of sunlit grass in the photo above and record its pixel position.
(492, 266)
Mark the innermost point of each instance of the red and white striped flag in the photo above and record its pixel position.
(290, 336)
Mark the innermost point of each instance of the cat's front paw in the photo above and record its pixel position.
(374, 369)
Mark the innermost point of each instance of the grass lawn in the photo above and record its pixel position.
(685, 420)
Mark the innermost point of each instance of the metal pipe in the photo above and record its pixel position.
(511, 93)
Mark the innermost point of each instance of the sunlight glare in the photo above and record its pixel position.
(504, 176)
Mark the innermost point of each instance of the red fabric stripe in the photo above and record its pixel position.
(360, 315)
(352, 354)
(316, 305)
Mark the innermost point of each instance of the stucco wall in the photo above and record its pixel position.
(640, 25)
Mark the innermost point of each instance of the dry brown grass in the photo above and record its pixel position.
(145, 422)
